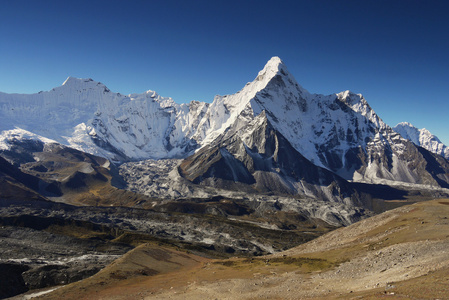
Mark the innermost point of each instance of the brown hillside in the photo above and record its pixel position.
(400, 254)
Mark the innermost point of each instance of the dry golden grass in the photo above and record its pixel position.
(400, 254)
(142, 270)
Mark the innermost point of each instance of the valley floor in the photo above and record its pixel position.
(400, 254)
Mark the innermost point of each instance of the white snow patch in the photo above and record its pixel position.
(41, 293)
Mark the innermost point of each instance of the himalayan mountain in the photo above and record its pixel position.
(423, 138)
(272, 141)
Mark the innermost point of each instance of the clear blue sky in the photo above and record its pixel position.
(396, 53)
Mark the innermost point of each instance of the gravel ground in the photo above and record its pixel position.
(419, 246)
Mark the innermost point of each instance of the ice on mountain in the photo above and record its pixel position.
(339, 132)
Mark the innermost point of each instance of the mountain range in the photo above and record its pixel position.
(272, 138)
(257, 172)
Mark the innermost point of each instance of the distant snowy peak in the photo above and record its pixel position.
(408, 131)
(86, 115)
(73, 81)
(72, 84)
(423, 138)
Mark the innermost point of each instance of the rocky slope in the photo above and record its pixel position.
(15, 184)
(45, 244)
(262, 159)
(398, 254)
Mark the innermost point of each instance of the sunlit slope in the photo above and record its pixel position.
(396, 252)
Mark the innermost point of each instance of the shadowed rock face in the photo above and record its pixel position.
(261, 161)
(18, 185)
(11, 280)
(62, 174)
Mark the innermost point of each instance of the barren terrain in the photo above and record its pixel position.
(400, 254)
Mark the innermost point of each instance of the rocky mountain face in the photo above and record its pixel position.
(338, 132)
(422, 138)
(271, 139)
(16, 184)
(263, 161)
(274, 137)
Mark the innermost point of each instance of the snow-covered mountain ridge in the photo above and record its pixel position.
(422, 137)
(339, 132)
(86, 115)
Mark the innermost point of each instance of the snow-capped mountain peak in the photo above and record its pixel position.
(73, 80)
(86, 115)
(82, 83)
(273, 67)
(423, 138)
(339, 132)
(408, 131)
(225, 110)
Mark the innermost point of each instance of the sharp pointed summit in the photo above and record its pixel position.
(275, 61)
(273, 67)
(339, 132)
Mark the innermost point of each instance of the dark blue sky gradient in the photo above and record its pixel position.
(393, 52)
